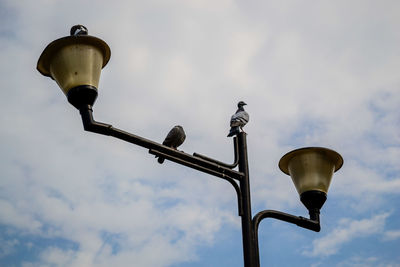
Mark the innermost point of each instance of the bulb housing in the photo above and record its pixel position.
(311, 170)
(75, 63)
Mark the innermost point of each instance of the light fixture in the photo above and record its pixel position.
(75, 63)
(311, 170)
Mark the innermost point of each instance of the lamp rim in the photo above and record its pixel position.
(284, 161)
(43, 64)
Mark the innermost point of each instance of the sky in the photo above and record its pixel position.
(313, 73)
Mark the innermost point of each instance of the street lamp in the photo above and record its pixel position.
(75, 63)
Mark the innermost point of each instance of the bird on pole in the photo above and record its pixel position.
(78, 30)
(175, 138)
(238, 120)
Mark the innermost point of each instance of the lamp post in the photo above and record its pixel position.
(75, 63)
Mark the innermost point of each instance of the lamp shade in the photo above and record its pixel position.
(74, 61)
(311, 168)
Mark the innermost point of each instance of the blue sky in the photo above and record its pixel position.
(320, 73)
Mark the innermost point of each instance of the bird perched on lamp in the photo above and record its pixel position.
(175, 138)
(238, 120)
(78, 30)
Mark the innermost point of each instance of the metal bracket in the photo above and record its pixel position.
(221, 175)
(310, 224)
(231, 166)
(200, 163)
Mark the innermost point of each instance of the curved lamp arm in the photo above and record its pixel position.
(89, 124)
(203, 164)
(235, 161)
(311, 224)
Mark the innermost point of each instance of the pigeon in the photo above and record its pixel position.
(238, 120)
(175, 138)
(79, 30)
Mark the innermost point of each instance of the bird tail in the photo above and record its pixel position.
(160, 160)
(233, 131)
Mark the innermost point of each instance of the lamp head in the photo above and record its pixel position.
(311, 170)
(75, 63)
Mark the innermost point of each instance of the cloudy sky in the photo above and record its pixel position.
(313, 73)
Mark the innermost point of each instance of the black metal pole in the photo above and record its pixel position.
(249, 254)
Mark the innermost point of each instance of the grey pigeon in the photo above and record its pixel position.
(79, 30)
(238, 120)
(175, 138)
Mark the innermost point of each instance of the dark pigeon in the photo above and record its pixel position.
(78, 30)
(175, 138)
(238, 120)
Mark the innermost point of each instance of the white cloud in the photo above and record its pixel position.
(371, 261)
(7, 246)
(391, 235)
(54, 256)
(312, 73)
(347, 230)
(360, 262)
(18, 217)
